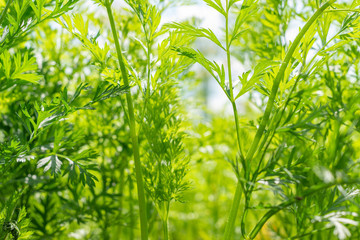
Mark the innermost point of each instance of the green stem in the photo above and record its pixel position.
(230, 225)
(343, 10)
(131, 210)
(136, 152)
(148, 68)
(236, 202)
(121, 190)
(3, 14)
(244, 213)
(236, 116)
(165, 229)
(164, 215)
(228, 60)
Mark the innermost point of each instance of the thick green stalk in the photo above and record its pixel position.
(230, 225)
(163, 210)
(265, 119)
(165, 229)
(132, 123)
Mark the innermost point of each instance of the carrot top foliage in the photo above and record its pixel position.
(109, 129)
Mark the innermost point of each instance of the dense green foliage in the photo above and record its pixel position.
(106, 131)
